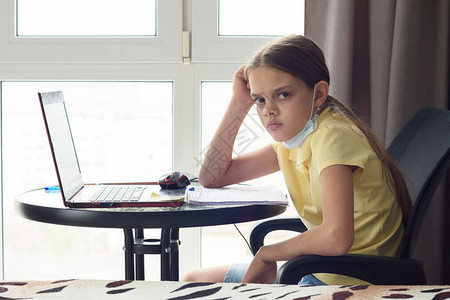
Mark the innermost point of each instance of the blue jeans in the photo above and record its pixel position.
(237, 271)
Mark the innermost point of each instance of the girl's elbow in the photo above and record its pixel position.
(208, 181)
(205, 181)
(342, 243)
(344, 246)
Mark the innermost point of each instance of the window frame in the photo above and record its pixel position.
(144, 59)
(166, 47)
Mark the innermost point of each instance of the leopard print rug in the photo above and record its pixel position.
(101, 289)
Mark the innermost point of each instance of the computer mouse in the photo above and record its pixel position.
(173, 181)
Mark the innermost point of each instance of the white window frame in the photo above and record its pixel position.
(165, 47)
(138, 59)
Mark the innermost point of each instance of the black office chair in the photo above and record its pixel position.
(422, 151)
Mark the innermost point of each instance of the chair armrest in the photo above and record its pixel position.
(261, 229)
(377, 270)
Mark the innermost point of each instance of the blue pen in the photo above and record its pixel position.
(191, 189)
(52, 188)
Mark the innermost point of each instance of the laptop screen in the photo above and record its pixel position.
(61, 143)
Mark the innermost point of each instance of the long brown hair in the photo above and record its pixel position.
(302, 58)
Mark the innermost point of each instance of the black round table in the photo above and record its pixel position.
(42, 206)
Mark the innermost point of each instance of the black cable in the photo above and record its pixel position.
(248, 245)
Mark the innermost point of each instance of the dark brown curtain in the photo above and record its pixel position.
(388, 59)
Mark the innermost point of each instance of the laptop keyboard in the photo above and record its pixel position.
(114, 193)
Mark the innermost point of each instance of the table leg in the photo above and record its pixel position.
(165, 254)
(129, 256)
(167, 248)
(175, 254)
(140, 274)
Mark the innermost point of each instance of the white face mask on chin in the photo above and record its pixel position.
(310, 126)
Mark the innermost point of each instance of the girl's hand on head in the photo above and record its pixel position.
(241, 90)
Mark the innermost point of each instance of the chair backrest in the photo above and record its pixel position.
(422, 151)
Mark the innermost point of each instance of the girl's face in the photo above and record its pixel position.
(283, 102)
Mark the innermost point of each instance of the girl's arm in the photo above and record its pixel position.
(332, 238)
(218, 167)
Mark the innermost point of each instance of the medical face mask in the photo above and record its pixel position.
(310, 126)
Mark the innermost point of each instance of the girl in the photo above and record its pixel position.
(344, 186)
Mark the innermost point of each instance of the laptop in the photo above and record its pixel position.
(74, 192)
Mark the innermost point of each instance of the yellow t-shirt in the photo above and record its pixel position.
(377, 215)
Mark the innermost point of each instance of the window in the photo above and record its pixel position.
(81, 18)
(140, 67)
(107, 132)
(228, 32)
(253, 17)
